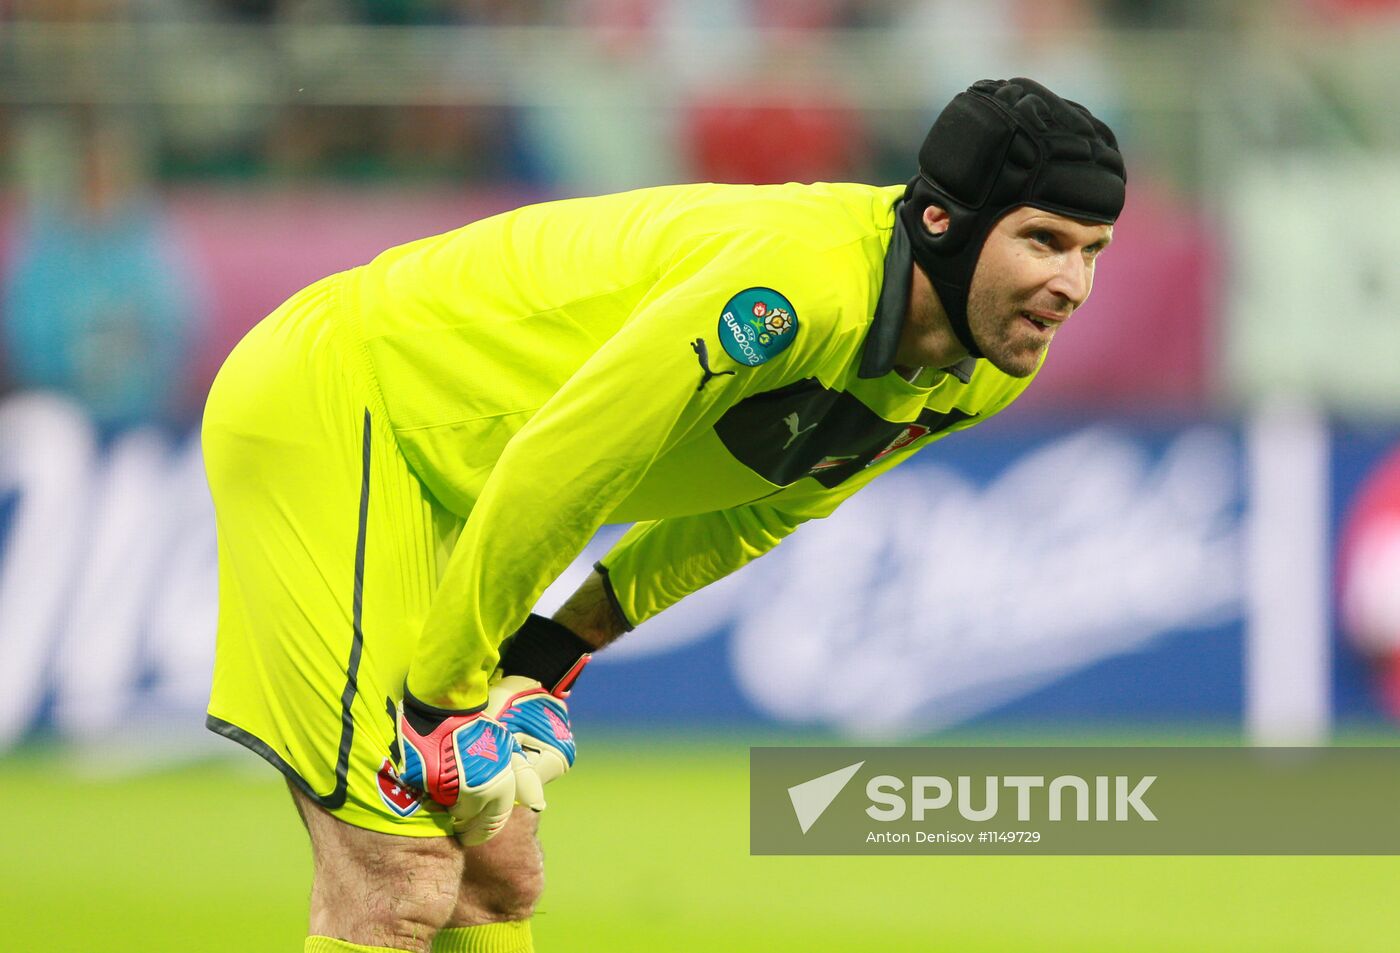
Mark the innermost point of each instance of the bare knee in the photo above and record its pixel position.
(399, 898)
(503, 878)
(379, 889)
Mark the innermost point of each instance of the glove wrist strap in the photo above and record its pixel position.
(425, 718)
(548, 652)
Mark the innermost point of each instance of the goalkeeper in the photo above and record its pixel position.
(403, 456)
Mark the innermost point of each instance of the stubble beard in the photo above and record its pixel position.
(997, 329)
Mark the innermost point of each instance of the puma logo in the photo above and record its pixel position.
(703, 353)
(792, 422)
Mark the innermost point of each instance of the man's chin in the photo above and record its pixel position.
(1015, 365)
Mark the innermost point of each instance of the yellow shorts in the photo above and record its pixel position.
(329, 549)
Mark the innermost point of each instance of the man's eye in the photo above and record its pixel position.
(1043, 238)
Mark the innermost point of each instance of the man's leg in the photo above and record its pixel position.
(380, 891)
(329, 555)
(500, 884)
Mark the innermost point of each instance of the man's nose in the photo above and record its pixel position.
(1072, 280)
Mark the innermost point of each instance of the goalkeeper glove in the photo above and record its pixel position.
(467, 762)
(537, 672)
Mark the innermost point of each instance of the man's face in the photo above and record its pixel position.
(1035, 269)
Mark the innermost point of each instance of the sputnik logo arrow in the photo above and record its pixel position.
(810, 799)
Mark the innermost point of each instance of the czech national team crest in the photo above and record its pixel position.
(757, 325)
(401, 800)
(906, 436)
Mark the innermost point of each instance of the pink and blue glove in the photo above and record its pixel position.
(539, 723)
(467, 762)
(537, 671)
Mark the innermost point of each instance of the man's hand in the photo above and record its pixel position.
(539, 722)
(467, 762)
(537, 671)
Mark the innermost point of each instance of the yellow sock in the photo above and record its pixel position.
(324, 944)
(510, 936)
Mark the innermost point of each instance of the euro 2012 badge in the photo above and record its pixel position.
(757, 325)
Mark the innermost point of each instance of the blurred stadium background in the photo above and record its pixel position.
(1189, 532)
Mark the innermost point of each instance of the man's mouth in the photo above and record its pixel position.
(1040, 324)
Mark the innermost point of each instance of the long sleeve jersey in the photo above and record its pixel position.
(711, 363)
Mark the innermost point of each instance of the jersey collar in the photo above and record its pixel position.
(882, 340)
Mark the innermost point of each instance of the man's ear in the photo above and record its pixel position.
(936, 220)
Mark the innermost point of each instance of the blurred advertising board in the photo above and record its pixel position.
(1033, 573)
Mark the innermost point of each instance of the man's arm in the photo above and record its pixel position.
(586, 449)
(659, 562)
(591, 613)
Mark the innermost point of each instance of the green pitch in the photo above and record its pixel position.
(647, 851)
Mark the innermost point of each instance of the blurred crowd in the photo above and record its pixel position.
(609, 14)
(738, 86)
(649, 90)
(99, 300)
(650, 14)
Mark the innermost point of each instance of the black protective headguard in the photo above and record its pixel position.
(999, 145)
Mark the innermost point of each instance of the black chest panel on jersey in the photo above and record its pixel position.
(805, 429)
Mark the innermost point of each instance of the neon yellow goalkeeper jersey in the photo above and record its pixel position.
(712, 363)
